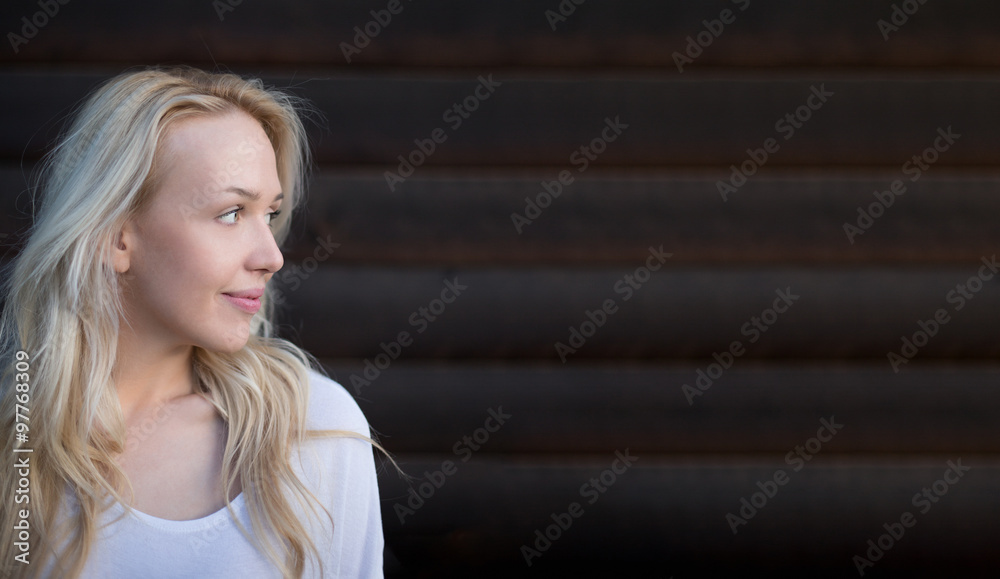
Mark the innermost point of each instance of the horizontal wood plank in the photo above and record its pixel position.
(463, 218)
(673, 512)
(765, 408)
(466, 218)
(706, 120)
(515, 33)
(677, 312)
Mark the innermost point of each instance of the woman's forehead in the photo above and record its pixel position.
(218, 152)
(219, 131)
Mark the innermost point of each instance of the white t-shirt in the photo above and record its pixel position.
(341, 474)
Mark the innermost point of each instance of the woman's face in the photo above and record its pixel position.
(201, 252)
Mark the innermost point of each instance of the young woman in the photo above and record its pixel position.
(153, 426)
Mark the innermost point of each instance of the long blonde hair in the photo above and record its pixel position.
(62, 310)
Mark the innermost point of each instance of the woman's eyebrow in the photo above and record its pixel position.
(252, 195)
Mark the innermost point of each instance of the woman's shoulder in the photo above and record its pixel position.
(331, 407)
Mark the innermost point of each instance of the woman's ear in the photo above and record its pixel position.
(121, 251)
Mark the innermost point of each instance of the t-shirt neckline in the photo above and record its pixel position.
(210, 520)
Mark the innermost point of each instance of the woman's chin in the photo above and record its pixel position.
(230, 343)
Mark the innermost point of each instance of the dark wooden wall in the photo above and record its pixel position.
(655, 185)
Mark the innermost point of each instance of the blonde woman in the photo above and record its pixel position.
(153, 426)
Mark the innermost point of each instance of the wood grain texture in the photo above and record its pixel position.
(753, 407)
(673, 512)
(706, 120)
(604, 217)
(451, 33)
(681, 312)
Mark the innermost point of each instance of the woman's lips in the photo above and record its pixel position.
(248, 305)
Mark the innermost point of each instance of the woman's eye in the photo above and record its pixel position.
(229, 217)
